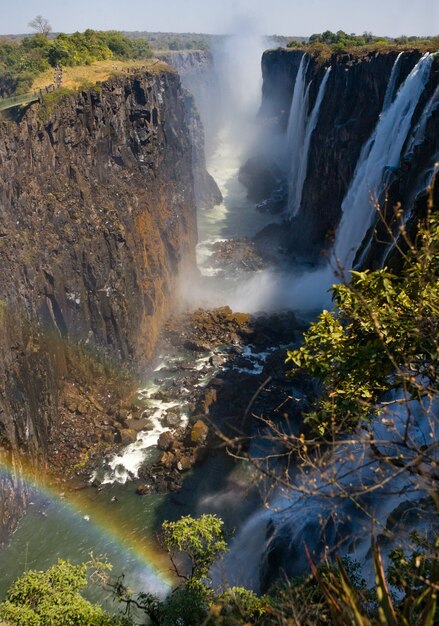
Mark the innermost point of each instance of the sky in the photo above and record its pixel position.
(281, 17)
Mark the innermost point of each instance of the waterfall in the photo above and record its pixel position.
(297, 125)
(379, 157)
(329, 507)
(418, 134)
(390, 91)
(296, 185)
(425, 179)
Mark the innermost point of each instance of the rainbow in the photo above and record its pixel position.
(132, 543)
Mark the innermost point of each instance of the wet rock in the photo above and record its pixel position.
(261, 177)
(127, 436)
(165, 441)
(160, 395)
(143, 490)
(196, 346)
(168, 459)
(172, 419)
(216, 361)
(235, 256)
(184, 464)
(140, 424)
(199, 433)
(210, 397)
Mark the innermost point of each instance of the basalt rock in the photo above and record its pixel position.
(97, 211)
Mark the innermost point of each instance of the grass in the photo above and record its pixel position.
(86, 75)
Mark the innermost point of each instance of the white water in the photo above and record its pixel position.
(301, 157)
(296, 129)
(418, 134)
(380, 156)
(321, 506)
(390, 91)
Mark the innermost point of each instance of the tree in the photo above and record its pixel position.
(39, 598)
(201, 540)
(41, 25)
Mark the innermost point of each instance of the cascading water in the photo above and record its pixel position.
(426, 177)
(297, 127)
(418, 134)
(379, 157)
(390, 91)
(302, 153)
(330, 507)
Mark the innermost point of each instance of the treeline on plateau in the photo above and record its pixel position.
(21, 62)
(344, 42)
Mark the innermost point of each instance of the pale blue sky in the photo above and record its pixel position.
(284, 17)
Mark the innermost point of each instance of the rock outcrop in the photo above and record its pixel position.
(97, 219)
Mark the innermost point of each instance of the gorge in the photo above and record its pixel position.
(100, 195)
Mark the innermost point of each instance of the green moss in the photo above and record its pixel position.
(50, 100)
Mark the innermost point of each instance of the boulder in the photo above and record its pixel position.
(165, 441)
(216, 360)
(184, 464)
(143, 490)
(168, 460)
(127, 436)
(199, 433)
(140, 424)
(172, 419)
(210, 397)
(196, 346)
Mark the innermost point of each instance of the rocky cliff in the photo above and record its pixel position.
(351, 106)
(198, 75)
(97, 220)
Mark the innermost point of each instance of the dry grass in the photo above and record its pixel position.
(99, 71)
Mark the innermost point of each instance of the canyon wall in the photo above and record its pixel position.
(198, 75)
(350, 109)
(97, 219)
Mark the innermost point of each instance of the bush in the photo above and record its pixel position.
(53, 597)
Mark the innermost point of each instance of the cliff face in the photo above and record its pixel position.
(349, 112)
(198, 76)
(97, 220)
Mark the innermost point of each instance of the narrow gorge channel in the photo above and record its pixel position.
(289, 186)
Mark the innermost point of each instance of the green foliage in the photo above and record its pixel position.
(201, 539)
(53, 598)
(21, 62)
(49, 101)
(187, 606)
(348, 605)
(328, 42)
(238, 605)
(383, 335)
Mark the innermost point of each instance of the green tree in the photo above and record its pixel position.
(53, 598)
(201, 540)
(382, 336)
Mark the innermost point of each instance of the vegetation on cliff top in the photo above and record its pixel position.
(327, 43)
(21, 63)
